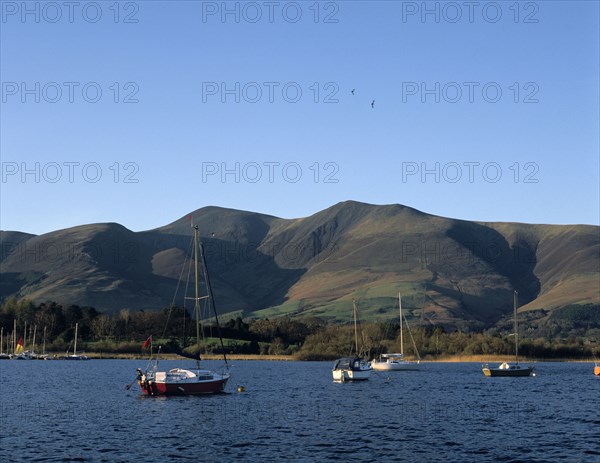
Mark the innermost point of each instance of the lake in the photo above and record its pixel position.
(293, 412)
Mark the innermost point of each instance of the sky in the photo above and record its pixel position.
(139, 112)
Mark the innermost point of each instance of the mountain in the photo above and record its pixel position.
(449, 271)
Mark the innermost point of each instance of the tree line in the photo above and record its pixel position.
(306, 338)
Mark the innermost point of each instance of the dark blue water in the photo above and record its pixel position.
(292, 411)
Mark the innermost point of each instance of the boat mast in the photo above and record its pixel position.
(44, 346)
(212, 300)
(197, 304)
(401, 326)
(75, 348)
(355, 328)
(516, 295)
(14, 335)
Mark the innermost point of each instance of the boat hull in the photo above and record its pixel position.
(191, 387)
(512, 372)
(351, 369)
(351, 375)
(395, 366)
(597, 370)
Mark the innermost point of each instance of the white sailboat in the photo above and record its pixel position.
(396, 361)
(43, 355)
(3, 355)
(74, 355)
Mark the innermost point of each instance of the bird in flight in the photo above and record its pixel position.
(373, 104)
(353, 91)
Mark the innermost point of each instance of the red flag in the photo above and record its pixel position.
(147, 342)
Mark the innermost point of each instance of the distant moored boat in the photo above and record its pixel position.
(396, 362)
(352, 368)
(74, 355)
(3, 356)
(506, 369)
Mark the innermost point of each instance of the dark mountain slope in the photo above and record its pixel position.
(449, 271)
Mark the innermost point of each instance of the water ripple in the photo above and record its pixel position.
(293, 412)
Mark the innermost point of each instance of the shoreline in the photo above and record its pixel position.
(116, 356)
(292, 358)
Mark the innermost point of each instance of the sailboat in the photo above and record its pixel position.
(74, 355)
(20, 353)
(179, 381)
(507, 369)
(396, 362)
(43, 355)
(597, 369)
(352, 368)
(3, 356)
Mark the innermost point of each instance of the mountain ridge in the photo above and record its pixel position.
(450, 271)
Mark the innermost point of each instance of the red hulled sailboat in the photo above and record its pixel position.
(193, 381)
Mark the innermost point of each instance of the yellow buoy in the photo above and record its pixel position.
(241, 388)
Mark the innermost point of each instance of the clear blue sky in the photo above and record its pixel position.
(529, 154)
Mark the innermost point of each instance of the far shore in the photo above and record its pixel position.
(291, 358)
(498, 359)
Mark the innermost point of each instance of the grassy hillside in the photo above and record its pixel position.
(450, 272)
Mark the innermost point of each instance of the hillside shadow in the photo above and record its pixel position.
(482, 307)
(238, 272)
(517, 263)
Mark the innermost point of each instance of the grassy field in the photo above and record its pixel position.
(374, 304)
